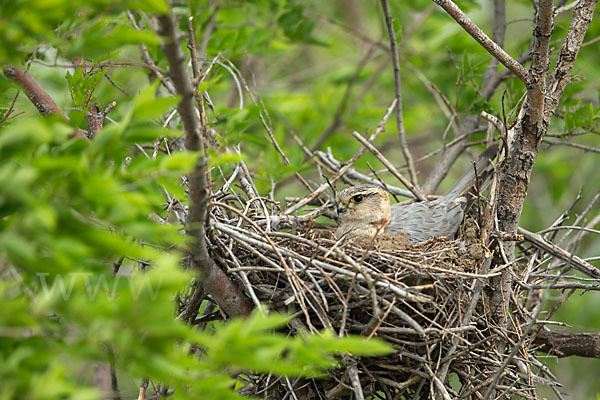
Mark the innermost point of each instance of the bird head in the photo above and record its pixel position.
(362, 210)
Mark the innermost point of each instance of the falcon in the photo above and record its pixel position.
(365, 211)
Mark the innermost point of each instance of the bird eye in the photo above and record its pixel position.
(358, 198)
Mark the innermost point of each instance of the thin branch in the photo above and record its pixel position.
(398, 93)
(148, 59)
(345, 167)
(215, 281)
(561, 75)
(105, 64)
(345, 98)
(38, 96)
(498, 37)
(487, 43)
(335, 164)
(354, 379)
(570, 259)
(389, 166)
(11, 108)
(571, 144)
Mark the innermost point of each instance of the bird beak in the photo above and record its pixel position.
(341, 208)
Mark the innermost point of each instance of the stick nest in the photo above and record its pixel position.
(429, 300)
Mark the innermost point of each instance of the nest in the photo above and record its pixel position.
(428, 300)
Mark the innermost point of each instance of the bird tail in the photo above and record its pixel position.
(485, 172)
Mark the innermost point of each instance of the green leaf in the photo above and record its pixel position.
(153, 108)
(223, 158)
(182, 162)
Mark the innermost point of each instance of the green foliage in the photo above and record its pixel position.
(82, 87)
(72, 209)
(247, 345)
(69, 209)
(25, 24)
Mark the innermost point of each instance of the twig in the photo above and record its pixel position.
(398, 93)
(354, 379)
(11, 108)
(106, 64)
(351, 172)
(570, 259)
(487, 43)
(148, 59)
(381, 182)
(389, 166)
(345, 167)
(571, 144)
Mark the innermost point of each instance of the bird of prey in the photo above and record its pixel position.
(364, 210)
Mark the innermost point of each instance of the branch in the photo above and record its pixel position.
(344, 168)
(95, 117)
(498, 37)
(487, 43)
(148, 59)
(571, 144)
(398, 92)
(352, 173)
(561, 75)
(215, 281)
(564, 344)
(491, 80)
(570, 259)
(540, 61)
(389, 166)
(38, 96)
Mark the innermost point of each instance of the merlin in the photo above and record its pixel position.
(365, 211)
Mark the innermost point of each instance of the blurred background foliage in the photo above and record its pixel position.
(308, 61)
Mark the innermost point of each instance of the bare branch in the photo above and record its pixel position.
(398, 92)
(389, 166)
(345, 167)
(561, 75)
(487, 43)
(566, 344)
(571, 144)
(215, 281)
(38, 96)
(563, 255)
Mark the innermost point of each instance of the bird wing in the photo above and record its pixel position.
(426, 219)
(484, 170)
